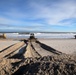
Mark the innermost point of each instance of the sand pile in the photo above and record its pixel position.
(38, 59)
(6, 66)
(30, 51)
(47, 65)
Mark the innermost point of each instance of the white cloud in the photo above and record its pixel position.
(9, 22)
(52, 13)
(4, 20)
(56, 12)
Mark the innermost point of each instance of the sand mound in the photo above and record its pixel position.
(48, 65)
(30, 51)
(6, 67)
(38, 59)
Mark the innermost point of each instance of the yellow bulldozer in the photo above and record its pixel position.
(3, 36)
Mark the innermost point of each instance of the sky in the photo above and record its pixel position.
(38, 15)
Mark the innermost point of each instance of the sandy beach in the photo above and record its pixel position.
(38, 57)
(6, 43)
(67, 46)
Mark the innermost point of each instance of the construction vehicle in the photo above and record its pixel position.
(75, 36)
(3, 36)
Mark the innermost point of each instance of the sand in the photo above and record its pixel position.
(5, 43)
(11, 49)
(67, 46)
(39, 57)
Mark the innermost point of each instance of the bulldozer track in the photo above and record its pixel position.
(11, 49)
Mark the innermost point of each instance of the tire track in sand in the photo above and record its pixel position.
(11, 49)
(30, 51)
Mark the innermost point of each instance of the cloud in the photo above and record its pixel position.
(4, 20)
(53, 12)
(7, 24)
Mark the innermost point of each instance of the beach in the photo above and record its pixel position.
(67, 46)
(4, 43)
(34, 56)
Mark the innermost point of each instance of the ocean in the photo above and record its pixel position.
(41, 35)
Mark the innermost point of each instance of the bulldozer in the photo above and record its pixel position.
(75, 36)
(3, 36)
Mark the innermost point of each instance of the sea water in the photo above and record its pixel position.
(41, 35)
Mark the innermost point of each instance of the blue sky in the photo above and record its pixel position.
(38, 15)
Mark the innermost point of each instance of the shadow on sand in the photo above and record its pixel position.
(21, 52)
(48, 48)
